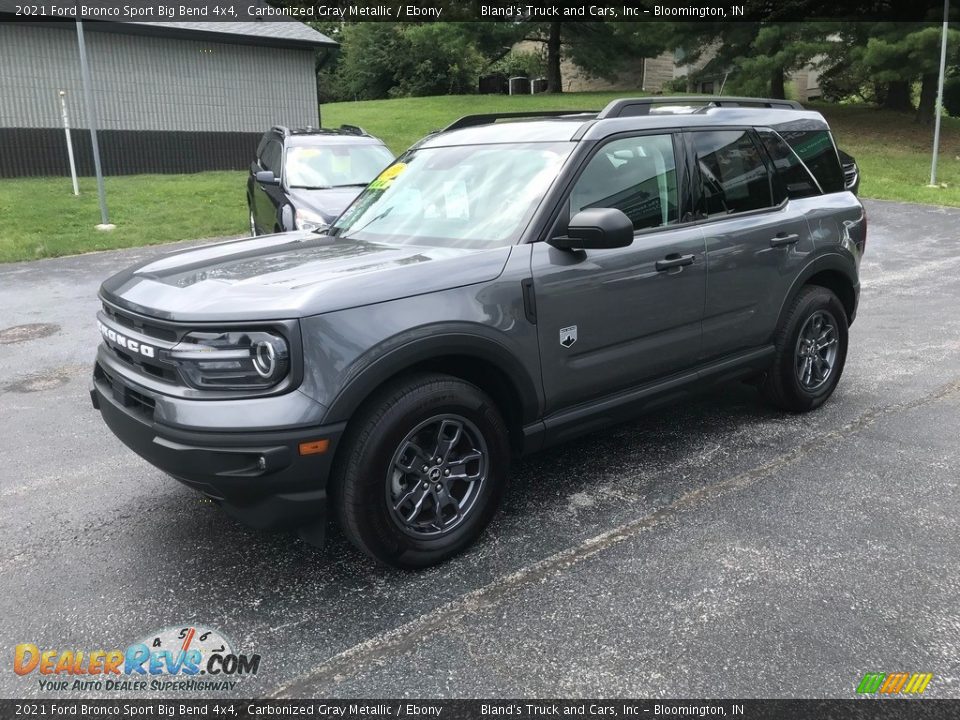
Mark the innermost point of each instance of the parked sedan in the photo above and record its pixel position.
(303, 179)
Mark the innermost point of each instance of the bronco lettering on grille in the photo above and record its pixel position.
(125, 342)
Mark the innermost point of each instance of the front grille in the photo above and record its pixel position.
(144, 327)
(149, 367)
(145, 332)
(849, 175)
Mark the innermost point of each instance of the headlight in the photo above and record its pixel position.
(232, 360)
(307, 220)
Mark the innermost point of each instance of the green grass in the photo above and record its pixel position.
(42, 218)
(892, 150)
(894, 153)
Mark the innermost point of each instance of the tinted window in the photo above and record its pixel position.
(816, 149)
(796, 179)
(733, 175)
(636, 175)
(270, 159)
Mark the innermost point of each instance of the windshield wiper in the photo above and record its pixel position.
(381, 216)
(311, 187)
(356, 184)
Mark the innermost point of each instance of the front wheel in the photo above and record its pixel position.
(811, 349)
(423, 471)
(253, 225)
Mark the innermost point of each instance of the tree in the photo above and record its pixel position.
(757, 56)
(600, 49)
(905, 53)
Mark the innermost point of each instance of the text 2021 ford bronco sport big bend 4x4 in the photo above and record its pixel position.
(501, 287)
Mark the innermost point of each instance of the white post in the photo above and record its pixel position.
(105, 223)
(939, 108)
(66, 129)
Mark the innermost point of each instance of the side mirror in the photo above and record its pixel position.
(266, 177)
(596, 229)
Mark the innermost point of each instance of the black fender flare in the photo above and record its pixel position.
(834, 262)
(410, 354)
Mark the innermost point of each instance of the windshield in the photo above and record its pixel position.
(475, 196)
(334, 165)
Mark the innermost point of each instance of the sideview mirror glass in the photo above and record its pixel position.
(596, 229)
(266, 177)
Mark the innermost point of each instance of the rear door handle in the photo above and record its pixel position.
(672, 261)
(782, 239)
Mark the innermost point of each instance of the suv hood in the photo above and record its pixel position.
(293, 275)
(327, 203)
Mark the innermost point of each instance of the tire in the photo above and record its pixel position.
(253, 225)
(429, 511)
(805, 373)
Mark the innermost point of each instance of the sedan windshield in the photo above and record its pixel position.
(334, 165)
(475, 196)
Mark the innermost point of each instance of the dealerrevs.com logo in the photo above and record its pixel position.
(188, 658)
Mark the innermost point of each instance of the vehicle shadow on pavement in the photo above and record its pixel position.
(555, 498)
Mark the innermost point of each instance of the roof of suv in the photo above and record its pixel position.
(343, 135)
(625, 115)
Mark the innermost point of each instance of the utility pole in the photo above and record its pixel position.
(92, 120)
(939, 107)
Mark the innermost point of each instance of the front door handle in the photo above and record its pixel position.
(673, 260)
(782, 239)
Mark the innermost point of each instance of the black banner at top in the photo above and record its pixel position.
(410, 709)
(479, 10)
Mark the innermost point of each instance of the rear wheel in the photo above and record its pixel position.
(811, 346)
(423, 470)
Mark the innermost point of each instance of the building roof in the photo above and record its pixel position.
(266, 32)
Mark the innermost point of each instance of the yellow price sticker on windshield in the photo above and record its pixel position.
(388, 176)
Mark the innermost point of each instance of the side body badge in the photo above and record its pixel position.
(568, 336)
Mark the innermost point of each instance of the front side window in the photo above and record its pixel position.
(733, 175)
(334, 165)
(271, 156)
(637, 175)
(474, 196)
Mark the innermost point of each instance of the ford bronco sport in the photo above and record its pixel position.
(500, 288)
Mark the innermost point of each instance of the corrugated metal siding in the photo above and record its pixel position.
(153, 83)
(43, 151)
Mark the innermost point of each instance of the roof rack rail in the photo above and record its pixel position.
(489, 118)
(283, 130)
(353, 130)
(627, 107)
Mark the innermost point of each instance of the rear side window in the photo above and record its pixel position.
(816, 149)
(734, 177)
(636, 175)
(794, 176)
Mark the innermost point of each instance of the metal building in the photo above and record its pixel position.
(171, 97)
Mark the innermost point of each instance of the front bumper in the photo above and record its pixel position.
(258, 477)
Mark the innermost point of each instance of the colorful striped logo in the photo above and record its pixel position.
(894, 683)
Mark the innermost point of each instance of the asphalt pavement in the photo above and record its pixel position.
(717, 548)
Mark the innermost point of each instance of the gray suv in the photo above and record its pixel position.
(501, 288)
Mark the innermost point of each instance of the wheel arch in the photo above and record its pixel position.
(480, 361)
(829, 271)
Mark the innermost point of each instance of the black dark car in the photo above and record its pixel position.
(851, 173)
(303, 179)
